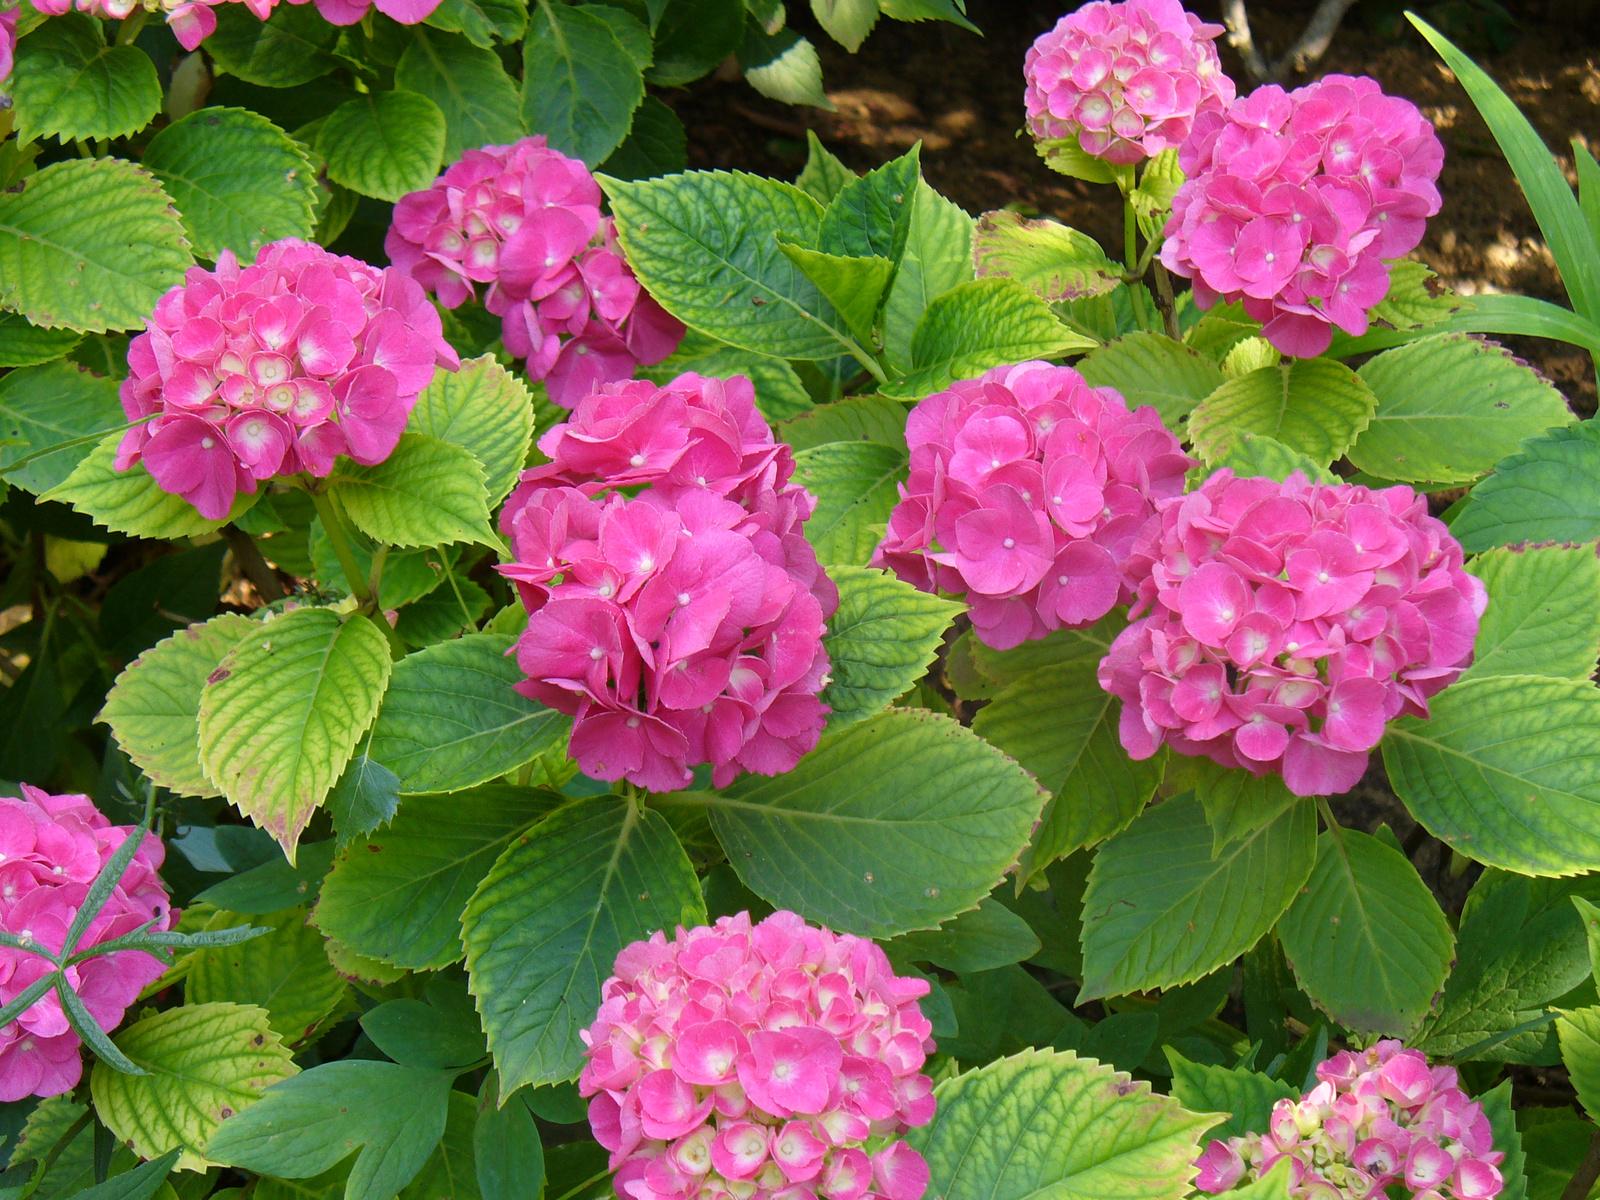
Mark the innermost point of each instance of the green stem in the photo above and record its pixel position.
(65, 1140)
(379, 557)
(131, 25)
(1130, 242)
(1328, 818)
(333, 524)
(866, 360)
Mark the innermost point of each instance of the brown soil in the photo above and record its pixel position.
(961, 95)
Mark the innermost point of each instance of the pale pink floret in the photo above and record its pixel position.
(51, 848)
(1124, 81)
(1027, 489)
(1379, 1119)
(250, 373)
(797, 1025)
(681, 625)
(1280, 626)
(525, 220)
(1294, 200)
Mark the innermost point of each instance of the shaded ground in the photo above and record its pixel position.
(962, 96)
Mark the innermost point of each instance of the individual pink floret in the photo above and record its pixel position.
(1294, 200)
(776, 1061)
(1027, 490)
(1284, 624)
(525, 221)
(1378, 1119)
(276, 369)
(680, 623)
(1124, 81)
(8, 41)
(51, 849)
(192, 21)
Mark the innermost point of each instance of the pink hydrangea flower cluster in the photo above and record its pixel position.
(773, 1062)
(8, 42)
(51, 849)
(1294, 200)
(192, 21)
(682, 625)
(1287, 623)
(525, 220)
(1027, 490)
(274, 369)
(1124, 81)
(1377, 1119)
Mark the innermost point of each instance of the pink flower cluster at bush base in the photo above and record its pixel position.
(525, 220)
(1294, 200)
(683, 625)
(275, 369)
(1379, 1118)
(1286, 623)
(1027, 490)
(777, 1061)
(192, 21)
(1124, 81)
(51, 849)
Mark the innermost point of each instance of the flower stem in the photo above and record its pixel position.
(1130, 241)
(131, 25)
(333, 524)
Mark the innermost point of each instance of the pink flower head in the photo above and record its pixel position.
(8, 41)
(729, 1062)
(1284, 624)
(1370, 1127)
(682, 624)
(1124, 81)
(249, 373)
(192, 21)
(1294, 200)
(1027, 488)
(51, 849)
(525, 221)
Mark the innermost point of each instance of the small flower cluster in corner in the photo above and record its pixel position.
(1379, 1119)
(525, 220)
(679, 622)
(775, 1061)
(248, 373)
(51, 849)
(192, 21)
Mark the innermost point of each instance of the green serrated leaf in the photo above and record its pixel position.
(1246, 1096)
(1497, 1107)
(64, 263)
(450, 718)
(779, 392)
(879, 642)
(847, 21)
(984, 939)
(46, 406)
(1237, 802)
(1250, 454)
(238, 180)
(1061, 725)
(131, 501)
(1366, 938)
(1063, 646)
(1147, 368)
(953, 11)
(68, 84)
(280, 717)
(853, 419)
(783, 66)
(824, 175)
(397, 894)
(1049, 1121)
(1579, 1031)
(1544, 613)
(937, 257)
(452, 609)
(154, 704)
(1450, 406)
(408, 575)
(204, 1063)
(505, 1147)
(854, 286)
(728, 277)
(440, 1033)
(427, 493)
(657, 144)
(468, 84)
(693, 38)
(484, 409)
(894, 824)
(383, 144)
(291, 47)
(1161, 911)
(1312, 405)
(449, 1170)
(286, 972)
(1507, 771)
(74, 1168)
(364, 800)
(1411, 303)
(25, 345)
(978, 325)
(305, 1125)
(580, 84)
(1549, 491)
(1220, 330)
(856, 486)
(870, 216)
(1053, 259)
(545, 926)
(481, 22)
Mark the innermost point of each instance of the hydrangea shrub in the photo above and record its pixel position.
(529, 669)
